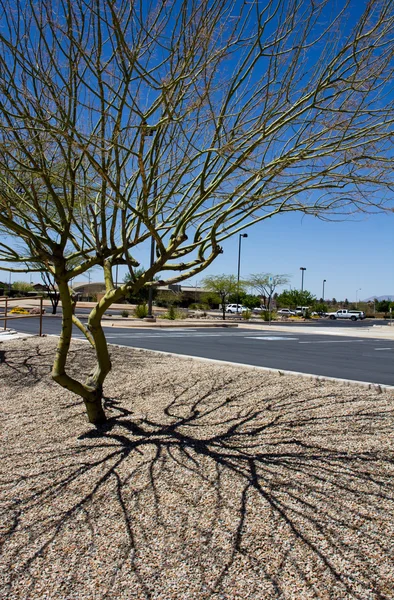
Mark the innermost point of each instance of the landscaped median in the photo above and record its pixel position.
(208, 481)
(130, 322)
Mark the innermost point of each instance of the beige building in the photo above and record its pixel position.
(90, 291)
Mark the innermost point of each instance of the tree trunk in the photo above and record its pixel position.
(92, 391)
(223, 308)
(94, 406)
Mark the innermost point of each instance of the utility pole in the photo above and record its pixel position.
(241, 235)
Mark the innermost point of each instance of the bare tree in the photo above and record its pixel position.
(51, 290)
(266, 283)
(182, 123)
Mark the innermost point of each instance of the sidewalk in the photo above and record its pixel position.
(374, 331)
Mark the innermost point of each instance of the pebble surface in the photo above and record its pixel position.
(208, 482)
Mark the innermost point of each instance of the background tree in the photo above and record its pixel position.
(169, 298)
(51, 289)
(210, 299)
(183, 122)
(266, 284)
(22, 286)
(142, 296)
(384, 305)
(320, 307)
(222, 285)
(294, 298)
(249, 300)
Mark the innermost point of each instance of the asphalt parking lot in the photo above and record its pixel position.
(357, 354)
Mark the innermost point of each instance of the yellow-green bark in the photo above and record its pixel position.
(92, 391)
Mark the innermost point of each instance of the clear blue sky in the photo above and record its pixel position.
(350, 255)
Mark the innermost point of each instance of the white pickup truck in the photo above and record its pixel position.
(343, 313)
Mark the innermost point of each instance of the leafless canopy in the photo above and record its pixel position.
(185, 121)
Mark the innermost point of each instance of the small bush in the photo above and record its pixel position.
(198, 306)
(124, 313)
(247, 314)
(170, 314)
(141, 311)
(174, 313)
(269, 315)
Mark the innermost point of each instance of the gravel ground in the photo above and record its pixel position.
(208, 482)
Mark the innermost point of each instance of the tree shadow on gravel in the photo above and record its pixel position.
(22, 364)
(209, 495)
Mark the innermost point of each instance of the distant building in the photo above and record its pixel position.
(190, 294)
(88, 291)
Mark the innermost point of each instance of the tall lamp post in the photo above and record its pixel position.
(324, 281)
(152, 260)
(241, 235)
(302, 269)
(357, 291)
(150, 316)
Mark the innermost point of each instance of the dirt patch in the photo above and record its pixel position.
(209, 481)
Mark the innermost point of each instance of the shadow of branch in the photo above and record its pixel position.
(215, 491)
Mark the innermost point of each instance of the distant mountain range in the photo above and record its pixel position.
(380, 298)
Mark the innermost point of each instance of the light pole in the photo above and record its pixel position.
(241, 235)
(150, 316)
(324, 281)
(357, 291)
(302, 269)
(152, 260)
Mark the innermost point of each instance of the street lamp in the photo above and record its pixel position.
(324, 281)
(241, 235)
(357, 291)
(151, 132)
(302, 269)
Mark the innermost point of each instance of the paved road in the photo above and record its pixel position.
(356, 358)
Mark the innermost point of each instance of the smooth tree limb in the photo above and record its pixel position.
(185, 122)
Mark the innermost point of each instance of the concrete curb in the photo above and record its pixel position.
(130, 323)
(161, 325)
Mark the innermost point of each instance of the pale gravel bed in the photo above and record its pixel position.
(209, 481)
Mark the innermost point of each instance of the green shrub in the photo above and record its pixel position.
(268, 315)
(141, 311)
(174, 313)
(170, 314)
(247, 314)
(124, 313)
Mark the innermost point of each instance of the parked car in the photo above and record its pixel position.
(286, 312)
(360, 313)
(258, 309)
(344, 314)
(236, 308)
